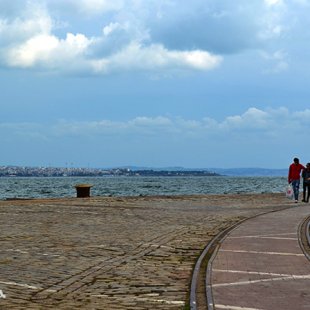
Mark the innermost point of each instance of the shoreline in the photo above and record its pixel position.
(207, 196)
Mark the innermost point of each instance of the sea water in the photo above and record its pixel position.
(57, 187)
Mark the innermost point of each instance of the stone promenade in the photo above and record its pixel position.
(112, 253)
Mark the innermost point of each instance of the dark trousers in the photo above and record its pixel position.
(306, 191)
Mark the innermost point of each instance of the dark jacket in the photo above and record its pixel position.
(306, 176)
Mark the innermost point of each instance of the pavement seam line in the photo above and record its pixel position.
(154, 300)
(252, 272)
(292, 277)
(254, 236)
(258, 252)
(23, 285)
(235, 307)
(259, 237)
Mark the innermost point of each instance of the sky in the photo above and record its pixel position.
(155, 83)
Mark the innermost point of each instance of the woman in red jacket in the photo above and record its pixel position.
(294, 176)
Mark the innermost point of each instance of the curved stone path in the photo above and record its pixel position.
(260, 265)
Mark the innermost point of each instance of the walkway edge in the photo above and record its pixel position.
(197, 268)
(303, 230)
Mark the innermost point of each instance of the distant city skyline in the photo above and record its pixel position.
(24, 171)
(97, 83)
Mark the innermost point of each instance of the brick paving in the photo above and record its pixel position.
(111, 253)
(261, 266)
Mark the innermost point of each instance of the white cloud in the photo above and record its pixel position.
(31, 43)
(273, 124)
(27, 131)
(150, 122)
(236, 140)
(127, 35)
(107, 30)
(278, 60)
(253, 118)
(302, 115)
(48, 51)
(274, 21)
(24, 27)
(36, 48)
(155, 57)
(273, 2)
(93, 7)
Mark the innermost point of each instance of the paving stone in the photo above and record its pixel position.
(111, 253)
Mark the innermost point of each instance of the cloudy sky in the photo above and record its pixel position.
(200, 83)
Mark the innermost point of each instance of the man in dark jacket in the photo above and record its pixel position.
(306, 183)
(294, 176)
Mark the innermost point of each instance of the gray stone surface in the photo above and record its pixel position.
(111, 253)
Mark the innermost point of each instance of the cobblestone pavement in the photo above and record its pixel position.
(111, 253)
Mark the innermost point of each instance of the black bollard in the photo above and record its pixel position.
(83, 190)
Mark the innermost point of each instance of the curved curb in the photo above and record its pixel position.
(211, 249)
(308, 231)
(208, 249)
(208, 287)
(303, 230)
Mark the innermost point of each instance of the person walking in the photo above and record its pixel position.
(306, 183)
(294, 176)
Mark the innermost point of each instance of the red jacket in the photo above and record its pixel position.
(294, 172)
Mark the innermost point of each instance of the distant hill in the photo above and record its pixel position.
(222, 171)
(139, 168)
(250, 172)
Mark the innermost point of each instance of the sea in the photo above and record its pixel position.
(58, 187)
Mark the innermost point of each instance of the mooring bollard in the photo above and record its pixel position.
(83, 190)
